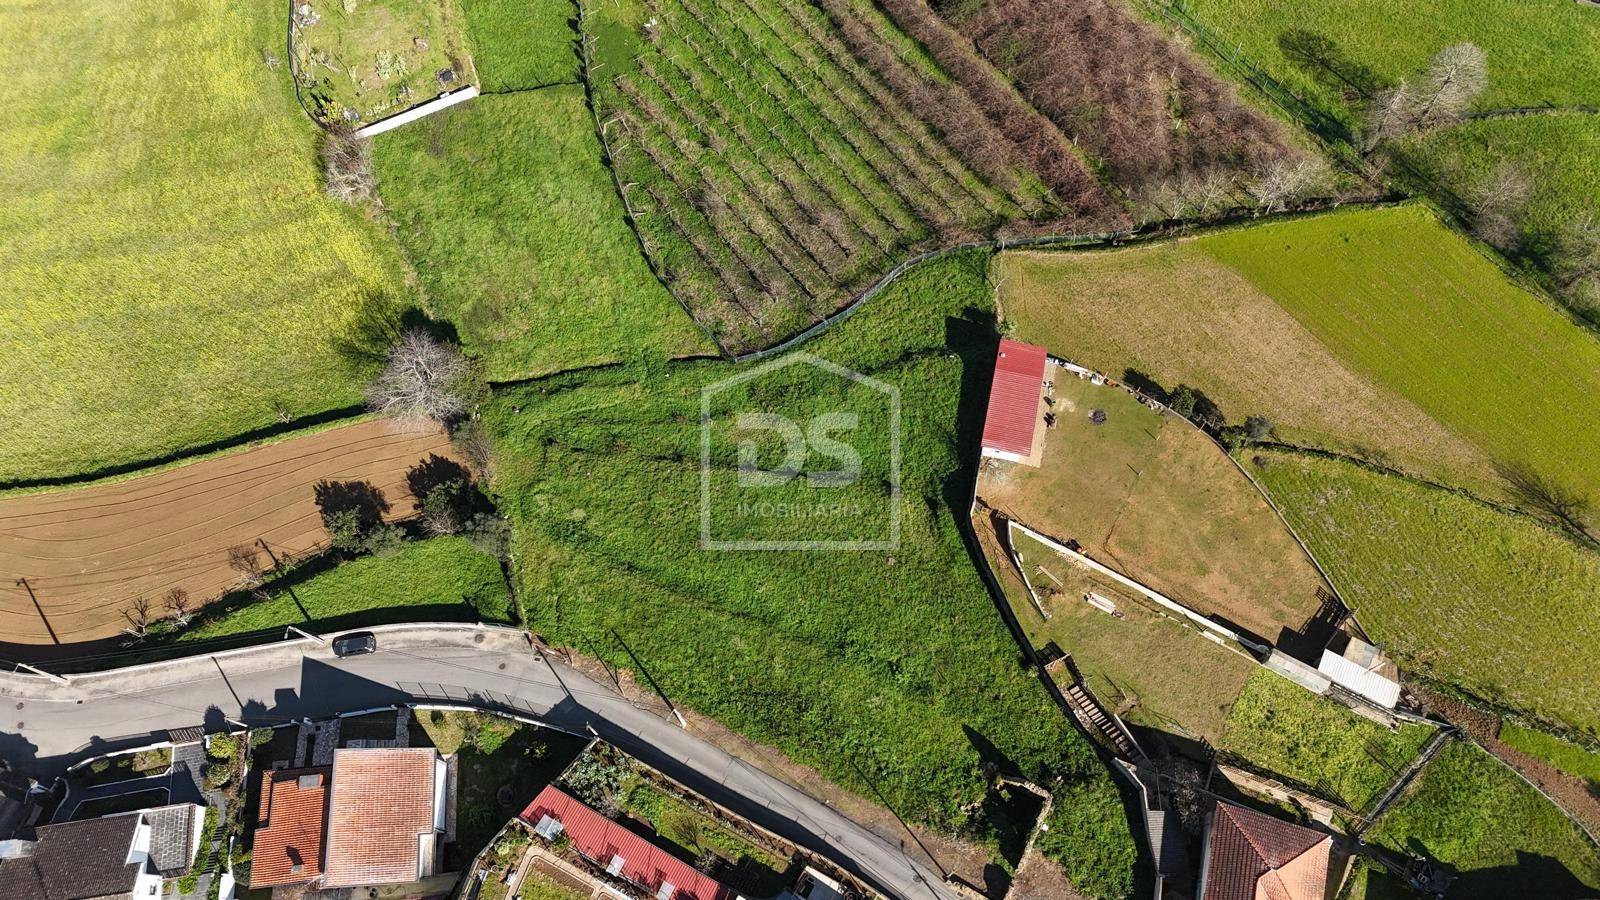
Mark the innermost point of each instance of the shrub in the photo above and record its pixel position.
(384, 540)
(347, 166)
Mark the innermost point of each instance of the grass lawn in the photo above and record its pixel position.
(867, 664)
(442, 577)
(1564, 755)
(1488, 600)
(1153, 671)
(173, 270)
(1394, 304)
(1502, 838)
(1158, 501)
(376, 58)
(1540, 51)
(535, 886)
(1285, 729)
(516, 231)
(522, 44)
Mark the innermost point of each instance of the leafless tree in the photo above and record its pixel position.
(425, 380)
(177, 601)
(1578, 258)
(1284, 181)
(244, 559)
(1453, 82)
(347, 166)
(1499, 201)
(138, 616)
(1391, 114)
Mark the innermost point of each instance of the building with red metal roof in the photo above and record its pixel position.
(621, 852)
(1011, 426)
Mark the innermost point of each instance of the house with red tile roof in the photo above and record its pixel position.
(620, 851)
(1012, 425)
(1253, 856)
(387, 813)
(287, 847)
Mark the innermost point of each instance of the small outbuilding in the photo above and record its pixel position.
(1013, 426)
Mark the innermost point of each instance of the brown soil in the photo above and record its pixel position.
(1040, 879)
(87, 553)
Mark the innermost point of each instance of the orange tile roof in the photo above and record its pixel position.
(382, 801)
(289, 828)
(1254, 856)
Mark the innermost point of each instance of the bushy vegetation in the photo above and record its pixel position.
(518, 45)
(881, 668)
(771, 174)
(442, 577)
(1500, 836)
(1330, 52)
(1564, 755)
(513, 224)
(1489, 600)
(173, 273)
(1284, 729)
(1138, 101)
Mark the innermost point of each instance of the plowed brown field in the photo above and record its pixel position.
(87, 553)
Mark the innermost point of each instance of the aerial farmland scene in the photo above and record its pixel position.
(800, 450)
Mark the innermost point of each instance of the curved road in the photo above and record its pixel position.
(49, 725)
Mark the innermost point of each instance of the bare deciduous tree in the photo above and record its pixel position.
(177, 601)
(1391, 114)
(347, 166)
(1579, 255)
(1453, 82)
(1284, 181)
(425, 380)
(244, 559)
(138, 616)
(1499, 201)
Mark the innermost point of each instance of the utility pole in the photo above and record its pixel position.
(650, 678)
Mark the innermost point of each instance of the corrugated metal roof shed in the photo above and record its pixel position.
(1013, 413)
(1365, 682)
(603, 841)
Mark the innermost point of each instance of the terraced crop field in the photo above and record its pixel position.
(770, 172)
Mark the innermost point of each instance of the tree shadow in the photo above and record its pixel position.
(1532, 875)
(1327, 62)
(360, 497)
(377, 325)
(1557, 503)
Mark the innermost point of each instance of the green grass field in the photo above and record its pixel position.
(1406, 346)
(1285, 729)
(1540, 51)
(439, 578)
(1564, 755)
(1489, 600)
(518, 46)
(515, 229)
(1499, 835)
(172, 268)
(881, 665)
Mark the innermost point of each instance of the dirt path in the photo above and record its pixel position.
(87, 553)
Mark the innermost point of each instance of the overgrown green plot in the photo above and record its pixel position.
(1570, 758)
(1488, 600)
(1413, 306)
(1540, 51)
(514, 227)
(887, 670)
(173, 274)
(440, 578)
(522, 44)
(1281, 727)
(365, 60)
(1498, 834)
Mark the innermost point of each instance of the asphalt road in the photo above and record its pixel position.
(55, 724)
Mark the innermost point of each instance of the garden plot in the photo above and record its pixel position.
(1155, 499)
(770, 173)
(359, 61)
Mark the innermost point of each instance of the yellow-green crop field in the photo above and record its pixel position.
(173, 273)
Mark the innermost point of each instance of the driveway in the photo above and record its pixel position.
(494, 668)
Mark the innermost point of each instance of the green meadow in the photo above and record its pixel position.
(173, 273)
(885, 668)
